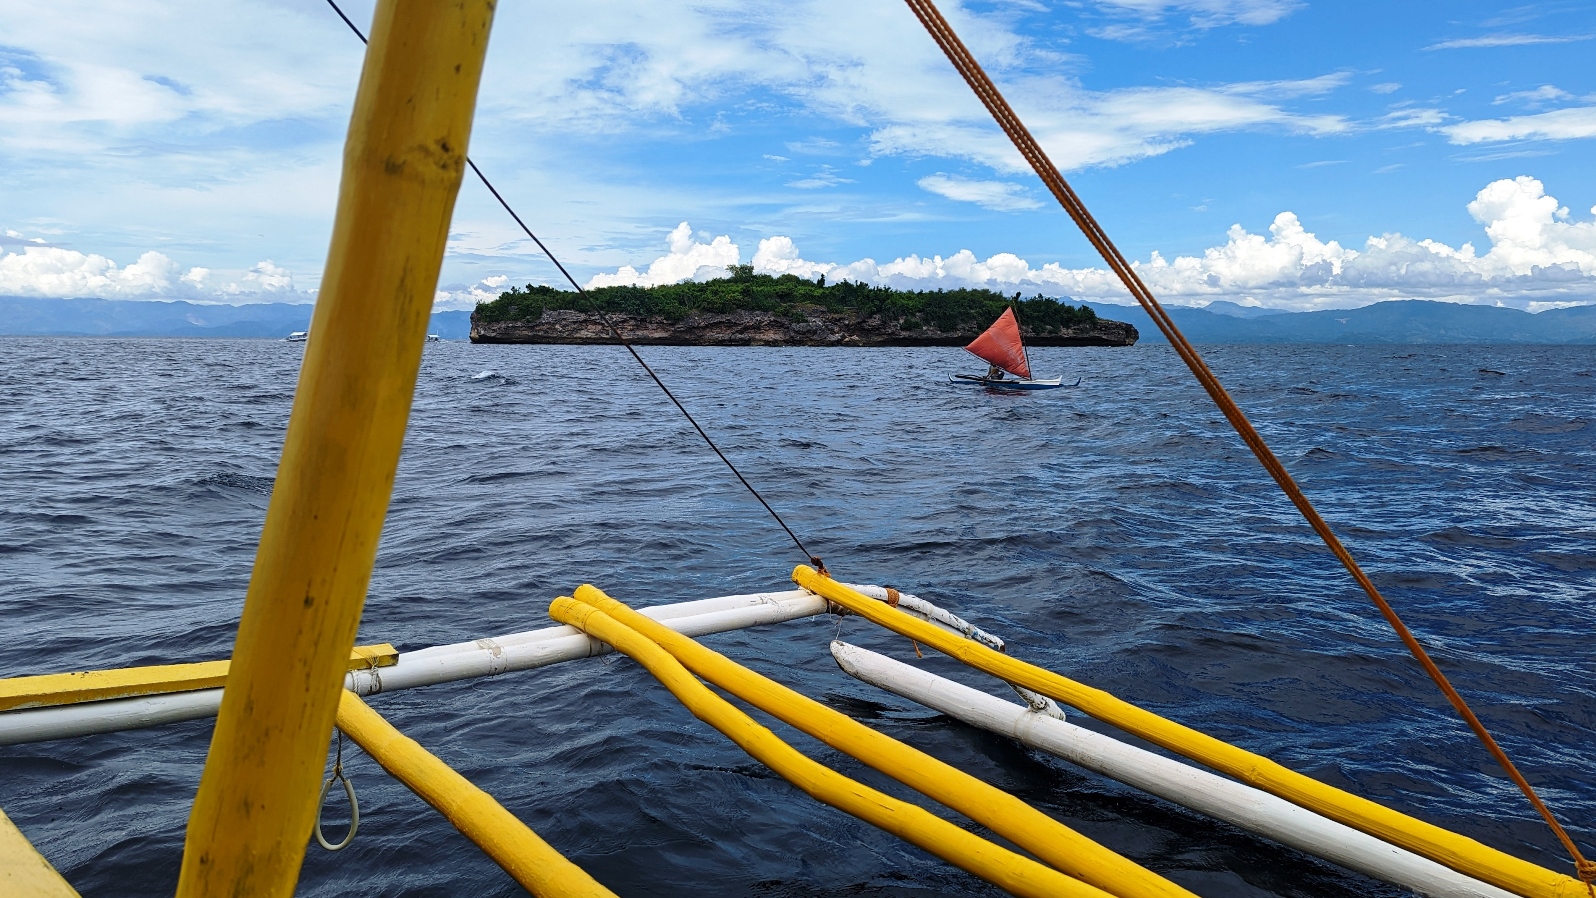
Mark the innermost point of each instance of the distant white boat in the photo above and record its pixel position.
(434, 338)
(298, 336)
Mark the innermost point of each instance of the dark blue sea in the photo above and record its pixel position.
(1118, 533)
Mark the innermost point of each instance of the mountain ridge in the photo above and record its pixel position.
(1393, 321)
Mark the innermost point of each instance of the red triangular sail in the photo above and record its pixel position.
(1000, 345)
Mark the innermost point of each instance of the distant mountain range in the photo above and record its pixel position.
(1398, 321)
(125, 318)
(1401, 321)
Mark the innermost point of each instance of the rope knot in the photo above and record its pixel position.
(1586, 870)
(820, 566)
(893, 597)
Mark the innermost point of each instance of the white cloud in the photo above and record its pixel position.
(1560, 124)
(1538, 257)
(865, 66)
(218, 124)
(688, 260)
(454, 297)
(1508, 40)
(822, 178)
(1004, 196)
(1546, 93)
(56, 272)
(1144, 20)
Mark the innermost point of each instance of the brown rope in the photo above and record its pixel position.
(978, 80)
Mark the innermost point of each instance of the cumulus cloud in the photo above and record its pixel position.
(42, 270)
(1560, 124)
(688, 260)
(1539, 256)
(1003, 196)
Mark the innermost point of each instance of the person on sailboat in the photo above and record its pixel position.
(994, 373)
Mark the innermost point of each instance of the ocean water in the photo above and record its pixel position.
(1118, 533)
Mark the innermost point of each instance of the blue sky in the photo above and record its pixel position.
(1238, 149)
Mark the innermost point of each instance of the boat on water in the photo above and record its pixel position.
(302, 336)
(296, 675)
(1002, 347)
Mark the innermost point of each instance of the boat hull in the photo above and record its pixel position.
(1038, 383)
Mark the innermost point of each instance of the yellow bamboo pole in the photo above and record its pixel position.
(46, 690)
(403, 162)
(1015, 874)
(24, 873)
(511, 844)
(1056, 844)
(1461, 853)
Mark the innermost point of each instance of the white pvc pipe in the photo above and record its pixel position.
(425, 667)
(1199, 790)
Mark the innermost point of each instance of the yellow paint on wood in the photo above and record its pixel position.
(1461, 853)
(24, 873)
(98, 685)
(513, 846)
(403, 162)
(1053, 842)
(1014, 873)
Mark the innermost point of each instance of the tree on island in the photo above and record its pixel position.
(793, 297)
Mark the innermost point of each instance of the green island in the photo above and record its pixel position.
(745, 308)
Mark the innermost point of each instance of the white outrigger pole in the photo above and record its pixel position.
(1039, 726)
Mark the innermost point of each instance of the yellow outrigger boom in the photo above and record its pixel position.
(403, 163)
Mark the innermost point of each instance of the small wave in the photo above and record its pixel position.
(1492, 371)
(497, 476)
(1457, 536)
(492, 377)
(1496, 452)
(485, 375)
(230, 480)
(1546, 424)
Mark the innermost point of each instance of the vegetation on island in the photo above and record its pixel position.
(793, 297)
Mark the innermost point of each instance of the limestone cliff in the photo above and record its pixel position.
(814, 327)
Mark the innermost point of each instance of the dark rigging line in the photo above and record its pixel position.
(616, 333)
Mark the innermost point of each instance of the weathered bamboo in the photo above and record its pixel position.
(403, 162)
(47, 690)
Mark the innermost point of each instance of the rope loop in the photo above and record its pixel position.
(1586, 870)
(338, 775)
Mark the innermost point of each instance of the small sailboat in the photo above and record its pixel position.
(1001, 347)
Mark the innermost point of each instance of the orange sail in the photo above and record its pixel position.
(1000, 345)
